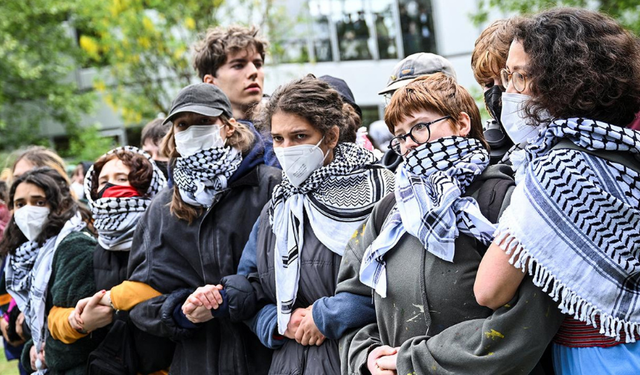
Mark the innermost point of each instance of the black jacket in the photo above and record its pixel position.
(175, 257)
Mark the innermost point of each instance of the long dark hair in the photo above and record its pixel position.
(62, 207)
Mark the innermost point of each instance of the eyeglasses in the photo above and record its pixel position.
(419, 133)
(519, 80)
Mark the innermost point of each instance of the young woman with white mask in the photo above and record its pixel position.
(49, 267)
(572, 223)
(193, 234)
(327, 192)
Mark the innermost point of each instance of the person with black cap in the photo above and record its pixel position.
(410, 68)
(193, 234)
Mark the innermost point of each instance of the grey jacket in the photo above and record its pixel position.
(446, 332)
(318, 277)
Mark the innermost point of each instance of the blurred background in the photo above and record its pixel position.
(81, 76)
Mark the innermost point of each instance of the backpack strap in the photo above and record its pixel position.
(619, 157)
(384, 208)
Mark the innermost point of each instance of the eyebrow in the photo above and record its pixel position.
(294, 131)
(241, 60)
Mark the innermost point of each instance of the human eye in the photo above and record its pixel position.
(258, 64)
(421, 126)
(237, 66)
(41, 203)
(277, 139)
(18, 204)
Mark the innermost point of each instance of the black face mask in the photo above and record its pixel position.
(493, 101)
(162, 165)
(106, 186)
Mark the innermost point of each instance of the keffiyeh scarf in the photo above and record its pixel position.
(116, 218)
(27, 274)
(573, 223)
(336, 199)
(430, 205)
(202, 177)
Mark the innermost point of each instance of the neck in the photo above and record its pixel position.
(241, 112)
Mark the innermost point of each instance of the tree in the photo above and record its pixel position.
(143, 46)
(37, 60)
(625, 11)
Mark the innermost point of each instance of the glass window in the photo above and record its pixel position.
(416, 23)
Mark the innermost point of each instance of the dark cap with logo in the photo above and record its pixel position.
(414, 66)
(201, 98)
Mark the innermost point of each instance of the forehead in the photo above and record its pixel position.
(249, 54)
(114, 166)
(26, 190)
(517, 58)
(283, 122)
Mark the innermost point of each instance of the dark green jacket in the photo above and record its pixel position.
(71, 280)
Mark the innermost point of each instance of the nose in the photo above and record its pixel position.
(409, 145)
(510, 89)
(252, 70)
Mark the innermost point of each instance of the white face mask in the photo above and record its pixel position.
(518, 127)
(298, 162)
(197, 138)
(30, 220)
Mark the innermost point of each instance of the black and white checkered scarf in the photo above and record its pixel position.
(430, 205)
(202, 177)
(336, 199)
(116, 218)
(573, 223)
(27, 275)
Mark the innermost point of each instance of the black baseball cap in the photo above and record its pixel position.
(201, 98)
(343, 89)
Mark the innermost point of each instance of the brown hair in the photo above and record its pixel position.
(241, 139)
(439, 93)
(211, 52)
(140, 171)
(491, 50)
(352, 123)
(43, 157)
(310, 98)
(581, 64)
(154, 131)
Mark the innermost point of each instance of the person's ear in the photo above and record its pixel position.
(464, 124)
(331, 139)
(208, 78)
(230, 127)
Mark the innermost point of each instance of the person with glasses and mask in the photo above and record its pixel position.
(572, 83)
(328, 190)
(422, 245)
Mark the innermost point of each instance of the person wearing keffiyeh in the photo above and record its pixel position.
(422, 260)
(192, 235)
(328, 190)
(573, 220)
(49, 267)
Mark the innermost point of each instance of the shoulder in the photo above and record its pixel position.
(78, 242)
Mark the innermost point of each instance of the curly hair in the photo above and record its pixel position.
(62, 207)
(310, 98)
(439, 93)
(242, 139)
(140, 171)
(581, 64)
(491, 49)
(211, 52)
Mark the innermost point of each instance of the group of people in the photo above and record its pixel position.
(271, 242)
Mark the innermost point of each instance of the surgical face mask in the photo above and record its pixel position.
(517, 125)
(30, 220)
(493, 101)
(197, 138)
(298, 162)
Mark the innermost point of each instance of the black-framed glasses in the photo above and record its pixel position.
(419, 133)
(518, 80)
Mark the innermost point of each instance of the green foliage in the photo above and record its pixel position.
(87, 144)
(625, 11)
(143, 47)
(37, 58)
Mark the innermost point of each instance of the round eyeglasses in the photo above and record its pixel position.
(518, 80)
(419, 133)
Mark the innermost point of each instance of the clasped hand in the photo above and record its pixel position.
(92, 313)
(197, 308)
(303, 329)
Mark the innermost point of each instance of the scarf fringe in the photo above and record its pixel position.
(570, 302)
